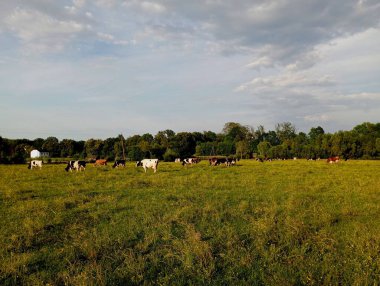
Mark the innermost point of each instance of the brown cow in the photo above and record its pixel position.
(333, 159)
(100, 162)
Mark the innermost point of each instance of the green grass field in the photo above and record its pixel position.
(273, 223)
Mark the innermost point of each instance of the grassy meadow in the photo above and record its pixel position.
(274, 223)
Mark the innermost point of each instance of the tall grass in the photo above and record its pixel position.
(277, 223)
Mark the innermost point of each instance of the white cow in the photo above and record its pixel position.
(35, 163)
(148, 163)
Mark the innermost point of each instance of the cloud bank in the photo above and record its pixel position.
(194, 65)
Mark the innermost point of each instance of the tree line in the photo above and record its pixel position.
(362, 142)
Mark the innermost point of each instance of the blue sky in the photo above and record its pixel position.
(94, 69)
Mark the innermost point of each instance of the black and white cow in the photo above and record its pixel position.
(148, 163)
(76, 165)
(217, 161)
(190, 161)
(231, 161)
(119, 163)
(34, 164)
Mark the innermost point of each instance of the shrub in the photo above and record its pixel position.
(170, 155)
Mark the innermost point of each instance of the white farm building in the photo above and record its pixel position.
(38, 154)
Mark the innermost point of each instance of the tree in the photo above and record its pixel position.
(272, 138)
(93, 147)
(19, 156)
(378, 145)
(206, 149)
(134, 153)
(147, 137)
(263, 148)
(163, 138)
(51, 145)
(367, 128)
(225, 148)
(170, 155)
(277, 151)
(235, 131)
(285, 131)
(157, 150)
(242, 148)
(184, 144)
(79, 150)
(209, 136)
(133, 140)
(108, 150)
(37, 143)
(66, 147)
(145, 148)
(315, 132)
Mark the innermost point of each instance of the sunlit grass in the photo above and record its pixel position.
(274, 223)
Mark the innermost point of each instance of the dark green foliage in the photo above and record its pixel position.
(170, 155)
(361, 142)
(206, 149)
(135, 153)
(51, 145)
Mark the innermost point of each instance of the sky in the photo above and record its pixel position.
(83, 69)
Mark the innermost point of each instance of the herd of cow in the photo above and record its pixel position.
(79, 165)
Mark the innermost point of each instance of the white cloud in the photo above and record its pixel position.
(106, 37)
(365, 96)
(289, 60)
(287, 81)
(79, 3)
(153, 7)
(317, 118)
(263, 62)
(40, 32)
(71, 9)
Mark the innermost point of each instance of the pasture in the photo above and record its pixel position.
(273, 223)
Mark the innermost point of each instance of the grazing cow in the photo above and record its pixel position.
(35, 163)
(148, 163)
(231, 161)
(333, 159)
(212, 161)
(76, 165)
(177, 160)
(190, 161)
(100, 162)
(219, 161)
(119, 163)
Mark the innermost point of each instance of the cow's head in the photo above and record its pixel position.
(138, 163)
(68, 167)
(30, 165)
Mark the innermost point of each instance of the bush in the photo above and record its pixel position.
(170, 155)
(135, 153)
